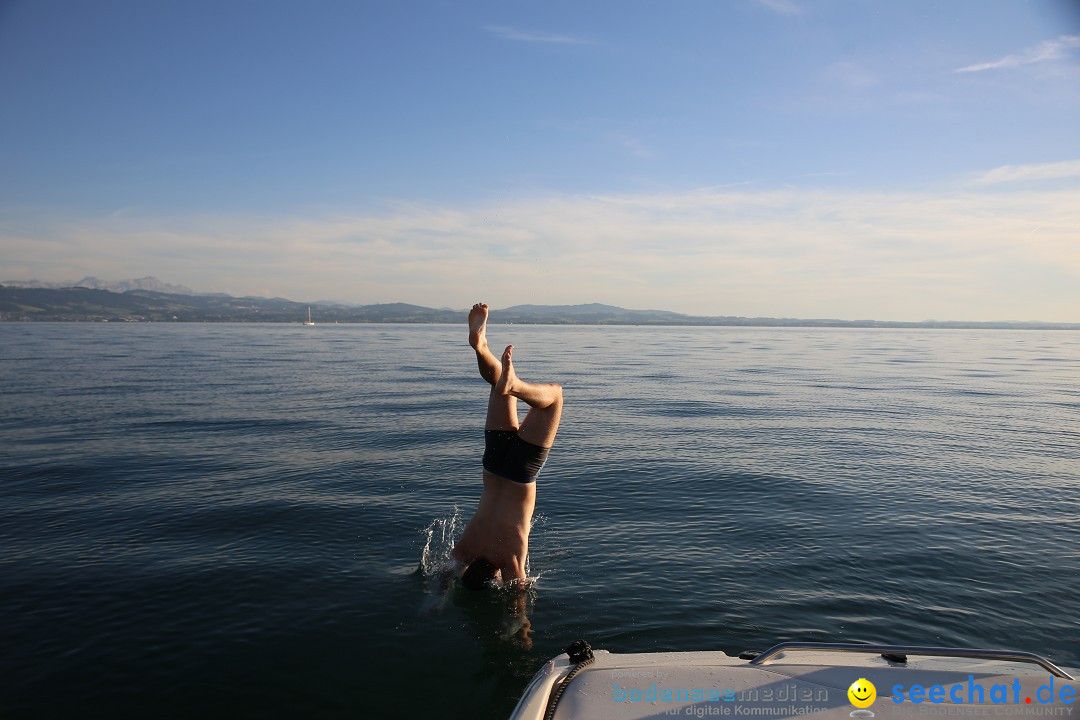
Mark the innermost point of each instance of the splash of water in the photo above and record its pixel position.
(440, 537)
(442, 534)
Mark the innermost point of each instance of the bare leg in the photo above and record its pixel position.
(490, 369)
(545, 402)
(502, 412)
(502, 409)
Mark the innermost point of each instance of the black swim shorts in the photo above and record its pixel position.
(508, 456)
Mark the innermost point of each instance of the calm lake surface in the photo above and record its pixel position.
(247, 521)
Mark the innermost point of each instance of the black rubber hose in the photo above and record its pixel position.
(581, 655)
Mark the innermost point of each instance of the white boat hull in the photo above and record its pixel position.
(798, 683)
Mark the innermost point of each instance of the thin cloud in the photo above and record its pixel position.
(850, 74)
(634, 146)
(509, 33)
(1029, 173)
(782, 252)
(784, 7)
(1046, 50)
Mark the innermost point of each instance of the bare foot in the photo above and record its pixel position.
(478, 325)
(508, 379)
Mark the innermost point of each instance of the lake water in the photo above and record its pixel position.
(247, 521)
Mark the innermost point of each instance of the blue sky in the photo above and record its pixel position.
(895, 160)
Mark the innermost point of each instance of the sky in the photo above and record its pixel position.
(852, 159)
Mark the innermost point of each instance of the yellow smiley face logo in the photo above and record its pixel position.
(862, 693)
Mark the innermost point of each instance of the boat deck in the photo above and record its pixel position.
(799, 682)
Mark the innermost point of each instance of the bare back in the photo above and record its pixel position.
(499, 531)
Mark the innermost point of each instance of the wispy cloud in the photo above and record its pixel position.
(849, 74)
(793, 252)
(510, 33)
(784, 7)
(1029, 173)
(633, 145)
(1046, 50)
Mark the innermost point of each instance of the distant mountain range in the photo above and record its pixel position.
(137, 301)
(144, 283)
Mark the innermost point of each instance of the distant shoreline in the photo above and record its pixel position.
(838, 325)
(82, 304)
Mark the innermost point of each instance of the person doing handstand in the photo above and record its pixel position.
(495, 543)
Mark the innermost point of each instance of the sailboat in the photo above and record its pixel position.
(309, 321)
